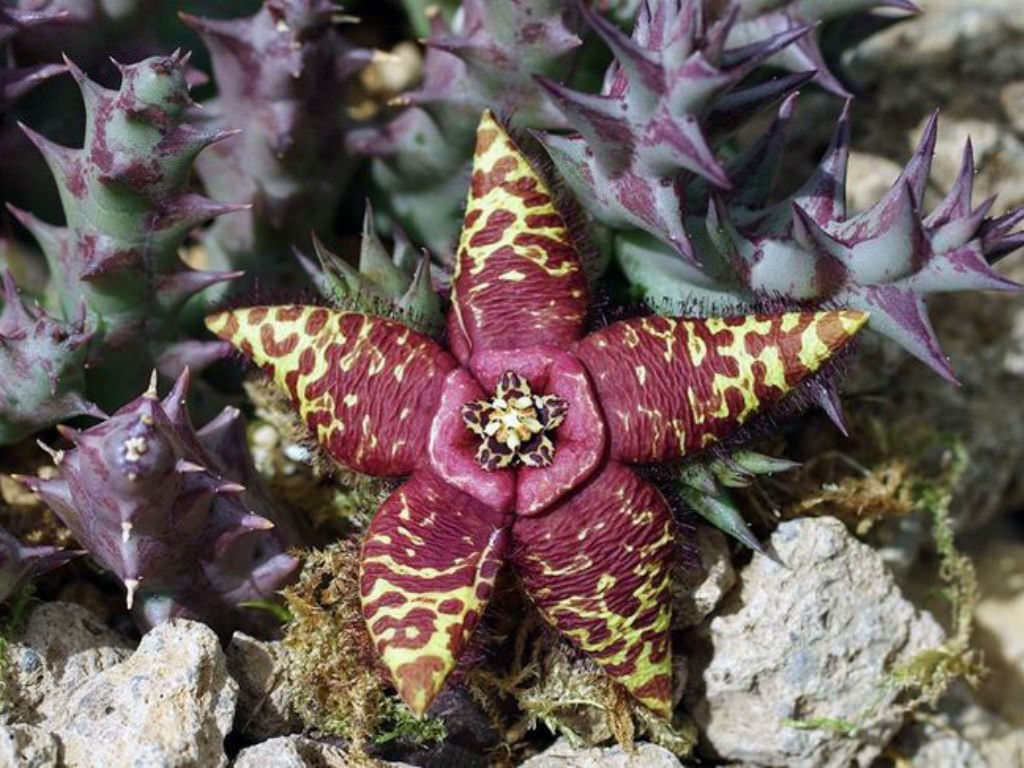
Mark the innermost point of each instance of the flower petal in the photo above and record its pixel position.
(517, 275)
(429, 561)
(453, 447)
(671, 386)
(367, 387)
(598, 568)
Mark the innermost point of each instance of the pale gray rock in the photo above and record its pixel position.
(698, 587)
(25, 746)
(264, 699)
(291, 752)
(960, 733)
(63, 646)
(868, 178)
(810, 639)
(951, 40)
(299, 752)
(171, 704)
(562, 755)
(945, 750)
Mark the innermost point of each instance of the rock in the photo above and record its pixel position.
(868, 178)
(998, 554)
(63, 646)
(698, 588)
(264, 699)
(945, 750)
(295, 752)
(951, 41)
(960, 734)
(562, 755)
(24, 746)
(806, 640)
(984, 413)
(170, 704)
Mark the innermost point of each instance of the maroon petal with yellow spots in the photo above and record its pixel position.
(518, 277)
(366, 387)
(429, 562)
(670, 386)
(524, 430)
(597, 566)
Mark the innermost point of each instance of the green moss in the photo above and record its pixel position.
(331, 665)
(930, 673)
(835, 724)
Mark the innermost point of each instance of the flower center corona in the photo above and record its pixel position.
(515, 424)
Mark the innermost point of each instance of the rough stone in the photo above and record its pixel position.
(809, 639)
(301, 752)
(951, 40)
(998, 554)
(868, 178)
(25, 746)
(264, 699)
(698, 588)
(171, 704)
(562, 755)
(293, 752)
(960, 733)
(63, 646)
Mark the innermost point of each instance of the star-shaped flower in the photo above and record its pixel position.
(517, 440)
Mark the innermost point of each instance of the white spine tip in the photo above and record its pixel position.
(151, 390)
(131, 585)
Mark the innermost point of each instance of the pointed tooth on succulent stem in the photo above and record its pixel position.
(69, 434)
(229, 489)
(151, 392)
(254, 522)
(186, 467)
(55, 454)
(131, 586)
(126, 531)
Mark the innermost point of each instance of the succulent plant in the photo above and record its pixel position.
(689, 232)
(128, 203)
(518, 439)
(398, 284)
(281, 76)
(633, 142)
(19, 563)
(88, 31)
(760, 19)
(16, 81)
(484, 59)
(42, 363)
(162, 506)
(806, 248)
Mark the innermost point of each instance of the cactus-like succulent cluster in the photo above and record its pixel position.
(281, 76)
(178, 515)
(129, 205)
(807, 248)
(483, 59)
(42, 360)
(396, 284)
